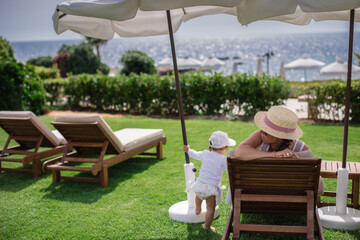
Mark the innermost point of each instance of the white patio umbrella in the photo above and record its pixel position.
(304, 63)
(166, 62)
(212, 63)
(165, 66)
(338, 68)
(259, 70)
(188, 63)
(131, 18)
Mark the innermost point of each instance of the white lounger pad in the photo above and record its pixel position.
(122, 140)
(133, 137)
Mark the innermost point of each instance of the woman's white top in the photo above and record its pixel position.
(298, 146)
(212, 166)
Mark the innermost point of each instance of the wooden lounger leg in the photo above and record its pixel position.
(228, 227)
(237, 212)
(56, 176)
(310, 215)
(36, 168)
(159, 151)
(104, 177)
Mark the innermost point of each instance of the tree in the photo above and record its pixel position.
(137, 62)
(78, 59)
(5, 48)
(45, 61)
(97, 43)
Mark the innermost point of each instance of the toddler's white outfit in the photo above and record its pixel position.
(208, 182)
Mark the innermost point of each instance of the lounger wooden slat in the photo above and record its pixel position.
(273, 186)
(93, 139)
(25, 129)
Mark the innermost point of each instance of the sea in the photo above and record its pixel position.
(240, 54)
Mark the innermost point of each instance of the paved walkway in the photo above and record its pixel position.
(301, 108)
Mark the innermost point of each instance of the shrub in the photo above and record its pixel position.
(44, 61)
(155, 94)
(135, 61)
(55, 90)
(47, 73)
(21, 88)
(326, 100)
(6, 50)
(78, 59)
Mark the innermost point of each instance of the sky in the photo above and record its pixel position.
(31, 20)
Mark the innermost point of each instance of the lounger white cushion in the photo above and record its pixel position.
(56, 139)
(122, 140)
(133, 137)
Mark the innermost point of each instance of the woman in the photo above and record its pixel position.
(278, 136)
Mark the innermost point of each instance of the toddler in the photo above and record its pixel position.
(207, 185)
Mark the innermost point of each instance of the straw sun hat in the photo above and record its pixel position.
(279, 122)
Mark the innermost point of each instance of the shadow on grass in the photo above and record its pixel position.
(14, 182)
(92, 192)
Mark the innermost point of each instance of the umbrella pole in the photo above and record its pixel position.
(178, 87)
(340, 216)
(348, 88)
(184, 211)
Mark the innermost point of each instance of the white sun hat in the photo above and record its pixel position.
(220, 139)
(279, 122)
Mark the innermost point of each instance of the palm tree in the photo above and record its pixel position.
(95, 42)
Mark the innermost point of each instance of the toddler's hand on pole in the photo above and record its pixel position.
(186, 148)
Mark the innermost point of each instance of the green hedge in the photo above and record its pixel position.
(155, 94)
(327, 100)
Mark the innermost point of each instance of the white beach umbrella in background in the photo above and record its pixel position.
(304, 63)
(212, 63)
(188, 63)
(282, 69)
(165, 66)
(338, 68)
(131, 18)
(166, 62)
(259, 70)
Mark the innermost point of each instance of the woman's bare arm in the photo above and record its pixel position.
(248, 149)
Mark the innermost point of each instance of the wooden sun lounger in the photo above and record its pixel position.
(93, 139)
(31, 134)
(273, 186)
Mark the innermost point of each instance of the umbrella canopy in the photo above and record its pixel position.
(166, 62)
(212, 63)
(133, 18)
(259, 70)
(304, 63)
(338, 68)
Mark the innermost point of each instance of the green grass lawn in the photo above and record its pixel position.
(141, 190)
